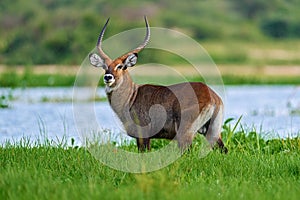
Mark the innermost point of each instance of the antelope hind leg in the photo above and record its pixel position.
(213, 134)
(143, 144)
(185, 140)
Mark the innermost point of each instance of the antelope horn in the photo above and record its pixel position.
(107, 60)
(145, 42)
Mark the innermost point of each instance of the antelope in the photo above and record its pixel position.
(149, 111)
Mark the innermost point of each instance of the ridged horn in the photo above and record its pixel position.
(105, 57)
(145, 42)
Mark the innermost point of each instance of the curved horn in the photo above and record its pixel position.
(107, 60)
(145, 42)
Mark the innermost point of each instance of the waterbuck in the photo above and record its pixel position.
(148, 111)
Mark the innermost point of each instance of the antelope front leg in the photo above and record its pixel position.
(143, 144)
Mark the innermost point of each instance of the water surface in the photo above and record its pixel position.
(37, 112)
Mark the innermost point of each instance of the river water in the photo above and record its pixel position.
(36, 113)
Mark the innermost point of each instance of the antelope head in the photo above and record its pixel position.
(116, 69)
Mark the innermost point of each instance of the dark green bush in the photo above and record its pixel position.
(276, 28)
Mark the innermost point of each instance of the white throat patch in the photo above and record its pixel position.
(109, 89)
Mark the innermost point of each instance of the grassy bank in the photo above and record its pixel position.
(253, 169)
(30, 79)
(231, 75)
(239, 62)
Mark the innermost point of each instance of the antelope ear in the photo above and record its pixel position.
(130, 61)
(96, 61)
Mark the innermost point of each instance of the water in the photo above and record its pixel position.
(38, 112)
(272, 109)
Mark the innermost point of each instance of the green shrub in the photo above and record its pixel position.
(276, 28)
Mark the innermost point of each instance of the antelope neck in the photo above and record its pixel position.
(124, 95)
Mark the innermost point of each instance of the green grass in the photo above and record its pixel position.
(13, 80)
(260, 80)
(227, 80)
(30, 79)
(253, 56)
(254, 168)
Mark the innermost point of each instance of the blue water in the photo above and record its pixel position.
(34, 113)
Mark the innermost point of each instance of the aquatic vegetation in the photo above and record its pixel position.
(5, 99)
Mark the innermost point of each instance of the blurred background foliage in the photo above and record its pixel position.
(64, 31)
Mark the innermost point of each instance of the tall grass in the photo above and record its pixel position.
(254, 168)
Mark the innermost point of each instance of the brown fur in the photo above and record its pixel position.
(132, 104)
(153, 111)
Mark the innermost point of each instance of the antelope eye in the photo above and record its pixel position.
(119, 66)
